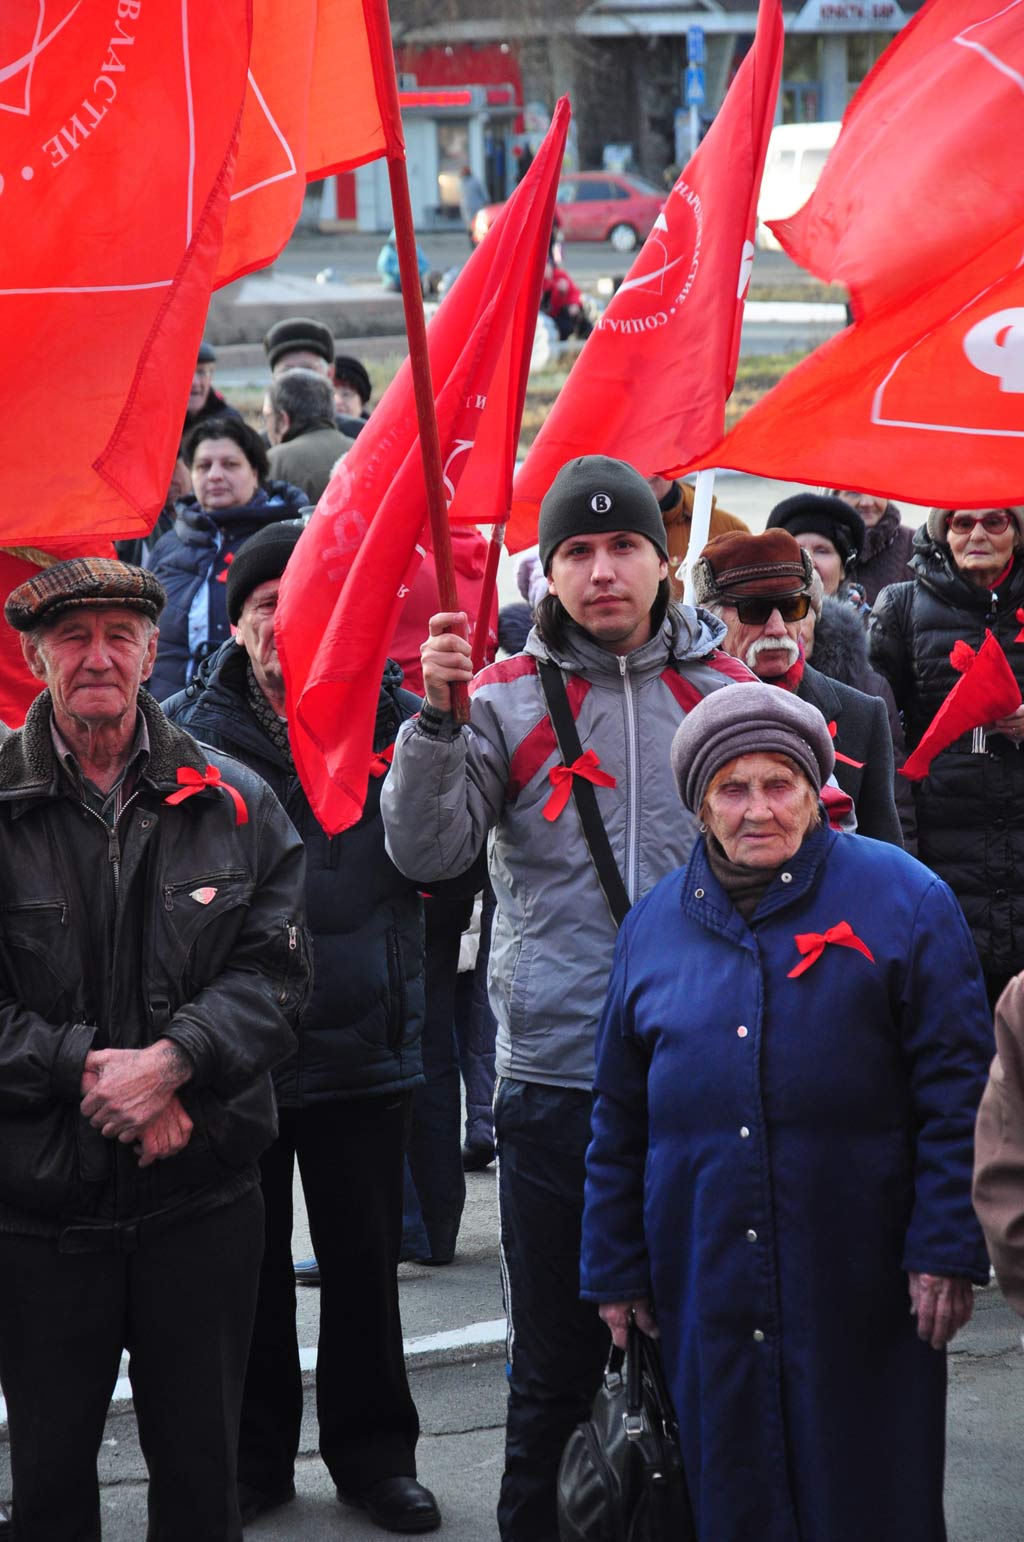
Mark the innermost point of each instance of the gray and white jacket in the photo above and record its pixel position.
(553, 937)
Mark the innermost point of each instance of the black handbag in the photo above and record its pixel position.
(621, 1475)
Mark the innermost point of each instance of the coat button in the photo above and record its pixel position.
(758, 1336)
(698, 893)
(1000, 894)
(144, 824)
(751, 1236)
(786, 877)
(741, 1032)
(744, 1132)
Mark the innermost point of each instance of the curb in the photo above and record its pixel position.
(455, 1346)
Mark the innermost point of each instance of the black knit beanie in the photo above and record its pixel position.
(594, 495)
(263, 556)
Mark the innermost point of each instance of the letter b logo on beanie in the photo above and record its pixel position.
(602, 503)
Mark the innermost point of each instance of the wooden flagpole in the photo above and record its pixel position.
(430, 443)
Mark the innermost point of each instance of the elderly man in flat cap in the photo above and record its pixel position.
(761, 587)
(153, 963)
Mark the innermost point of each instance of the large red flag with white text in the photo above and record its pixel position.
(920, 210)
(120, 123)
(651, 383)
(923, 402)
(927, 171)
(321, 96)
(347, 579)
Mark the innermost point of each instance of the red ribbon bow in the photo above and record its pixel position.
(193, 781)
(858, 764)
(1020, 617)
(222, 576)
(588, 766)
(379, 762)
(813, 944)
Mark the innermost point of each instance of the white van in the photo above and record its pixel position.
(797, 153)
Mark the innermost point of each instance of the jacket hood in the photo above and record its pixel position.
(274, 500)
(932, 564)
(685, 635)
(840, 643)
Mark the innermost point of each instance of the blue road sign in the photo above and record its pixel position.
(694, 85)
(695, 45)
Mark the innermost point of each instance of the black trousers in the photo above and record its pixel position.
(558, 1344)
(182, 1305)
(351, 1157)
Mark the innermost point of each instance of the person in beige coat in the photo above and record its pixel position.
(999, 1148)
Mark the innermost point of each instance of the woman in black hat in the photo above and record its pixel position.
(831, 531)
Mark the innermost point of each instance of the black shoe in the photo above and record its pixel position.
(476, 1155)
(307, 1272)
(254, 1501)
(397, 1504)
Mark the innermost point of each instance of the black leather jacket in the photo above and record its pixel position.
(179, 923)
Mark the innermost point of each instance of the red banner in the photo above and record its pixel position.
(348, 577)
(120, 122)
(321, 96)
(923, 403)
(926, 173)
(920, 211)
(651, 383)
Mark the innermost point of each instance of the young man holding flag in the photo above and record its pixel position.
(627, 666)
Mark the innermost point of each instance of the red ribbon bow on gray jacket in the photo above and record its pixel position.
(588, 766)
(813, 944)
(193, 781)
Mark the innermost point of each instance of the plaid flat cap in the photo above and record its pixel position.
(83, 582)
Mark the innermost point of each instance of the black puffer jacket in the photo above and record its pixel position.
(970, 808)
(360, 1035)
(841, 652)
(181, 924)
(191, 561)
(888, 548)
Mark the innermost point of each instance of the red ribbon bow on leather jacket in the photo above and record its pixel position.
(193, 781)
(813, 944)
(588, 766)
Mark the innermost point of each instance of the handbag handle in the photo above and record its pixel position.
(643, 1357)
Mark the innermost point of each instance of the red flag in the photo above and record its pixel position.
(651, 383)
(926, 173)
(322, 96)
(120, 125)
(348, 576)
(923, 402)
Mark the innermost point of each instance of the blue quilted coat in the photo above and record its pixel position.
(770, 1156)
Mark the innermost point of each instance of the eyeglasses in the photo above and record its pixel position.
(756, 610)
(992, 524)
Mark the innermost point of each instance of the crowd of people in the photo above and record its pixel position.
(726, 1020)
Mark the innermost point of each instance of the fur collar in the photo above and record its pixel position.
(28, 765)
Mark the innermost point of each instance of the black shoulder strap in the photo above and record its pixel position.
(594, 832)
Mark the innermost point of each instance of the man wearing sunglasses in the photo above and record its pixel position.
(760, 586)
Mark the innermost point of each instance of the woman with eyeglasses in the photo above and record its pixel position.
(969, 567)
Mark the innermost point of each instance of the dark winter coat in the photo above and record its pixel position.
(180, 924)
(861, 734)
(361, 1031)
(307, 457)
(191, 561)
(841, 652)
(888, 548)
(770, 1156)
(970, 808)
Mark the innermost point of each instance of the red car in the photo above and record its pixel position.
(612, 206)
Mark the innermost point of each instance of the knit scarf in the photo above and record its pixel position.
(275, 728)
(744, 885)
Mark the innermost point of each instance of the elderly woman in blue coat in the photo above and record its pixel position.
(789, 1064)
